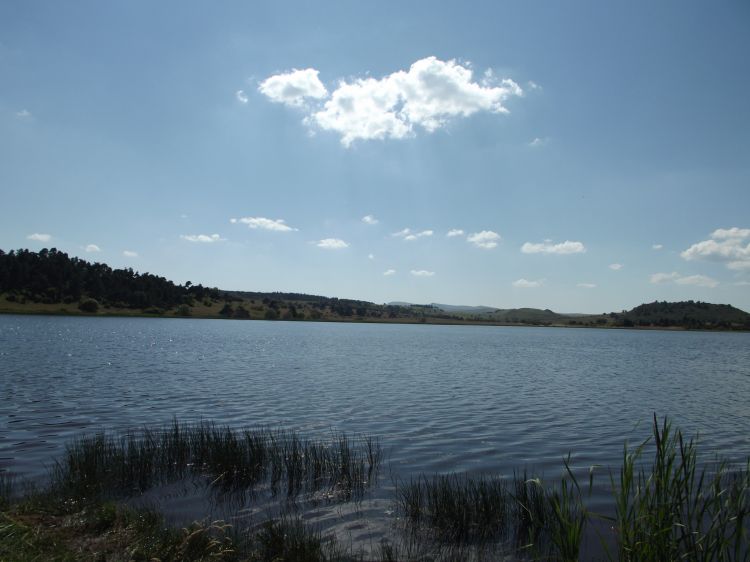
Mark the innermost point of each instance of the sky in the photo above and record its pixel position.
(577, 156)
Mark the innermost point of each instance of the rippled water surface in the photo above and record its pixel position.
(441, 398)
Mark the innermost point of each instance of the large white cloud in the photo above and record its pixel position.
(262, 223)
(547, 247)
(294, 88)
(427, 95)
(726, 245)
(204, 238)
(486, 239)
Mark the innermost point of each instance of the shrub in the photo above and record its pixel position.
(88, 305)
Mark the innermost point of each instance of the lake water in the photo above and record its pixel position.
(441, 398)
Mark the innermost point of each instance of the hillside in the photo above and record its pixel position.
(51, 282)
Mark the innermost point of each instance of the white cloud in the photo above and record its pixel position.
(262, 223)
(486, 239)
(726, 245)
(657, 247)
(369, 219)
(427, 95)
(697, 280)
(370, 256)
(538, 141)
(92, 248)
(533, 85)
(332, 244)
(587, 285)
(389, 272)
(455, 232)
(547, 247)
(407, 234)
(294, 88)
(130, 254)
(422, 273)
(241, 96)
(526, 284)
(37, 237)
(616, 266)
(23, 114)
(204, 238)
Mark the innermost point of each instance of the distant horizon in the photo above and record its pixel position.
(511, 154)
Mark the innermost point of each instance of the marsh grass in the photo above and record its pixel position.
(122, 465)
(674, 510)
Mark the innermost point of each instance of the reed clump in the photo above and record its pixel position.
(111, 465)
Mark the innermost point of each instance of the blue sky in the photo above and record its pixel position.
(594, 155)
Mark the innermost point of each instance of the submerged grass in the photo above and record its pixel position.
(229, 459)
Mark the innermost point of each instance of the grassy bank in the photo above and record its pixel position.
(666, 506)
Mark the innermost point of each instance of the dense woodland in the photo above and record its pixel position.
(51, 276)
(50, 281)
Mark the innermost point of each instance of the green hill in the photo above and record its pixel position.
(686, 314)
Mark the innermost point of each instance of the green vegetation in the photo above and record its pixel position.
(50, 282)
(667, 510)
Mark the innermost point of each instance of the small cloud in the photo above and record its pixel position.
(696, 280)
(486, 239)
(203, 238)
(241, 96)
(92, 248)
(23, 114)
(262, 223)
(130, 254)
(742, 283)
(538, 141)
(407, 234)
(369, 219)
(332, 244)
(657, 247)
(547, 247)
(184, 216)
(533, 85)
(294, 88)
(455, 232)
(38, 237)
(422, 273)
(586, 285)
(389, 272)
(526, 284)
(616, 266)
(370, 256)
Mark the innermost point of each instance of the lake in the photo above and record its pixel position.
(478, 399)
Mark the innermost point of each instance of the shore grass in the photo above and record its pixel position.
(122, 465)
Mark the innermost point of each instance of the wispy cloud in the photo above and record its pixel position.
(241, 96)
(389, 272)
(586, 285)
(426, 96)
(39, 237)
(332, 244)
(408, 234)
(262, 223)
(697, 280)
(730, 246)
(486, 239)
(369, 219)
(92, 248)
(455, 232)
(527, 284)
(536, 142)
(547, 247)
(202, 238)
(130, 254)
(294, 88)
(23, 114)
(370, 256)
(616, 266)
(657, 247)
(422, 273)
